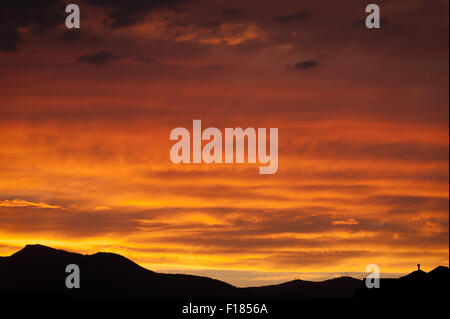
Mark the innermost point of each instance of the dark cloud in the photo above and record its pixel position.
(327, 188)
(232, 12)
(303, 66)
(99, 58)
(316, 258)
(127, 13)
(402, 151)
(178, 25)
(9, 39)
(80, 37)
(214, 67)
(299, 16)
(36, 16)
(336, 174)
(63, 222)
(211, 24)
(410, 204)
(72, 35)
(145, 60)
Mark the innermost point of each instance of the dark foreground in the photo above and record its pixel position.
(33, 280)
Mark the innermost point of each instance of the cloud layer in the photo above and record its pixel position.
(85, 119)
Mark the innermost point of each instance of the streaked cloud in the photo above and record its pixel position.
(363, 128)
(25, 203)
(298, 16)
(98, 58)
(304, 65)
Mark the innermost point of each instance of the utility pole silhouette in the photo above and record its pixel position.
(418, 267)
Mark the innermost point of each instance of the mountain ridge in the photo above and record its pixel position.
(41, 269)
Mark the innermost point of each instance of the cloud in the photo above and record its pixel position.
(72, 35)
(232, 11)
(25, 203)
(99, 58)
(347, 222)
(299, 16)
(96, 143)
(304, 65)
(145, 60)
(65, 223)
(127, 13)
(317, 258)
(211, 24)
(411, 151)
(34, 16)
(9, 39)
(214, 67)
(410, 204)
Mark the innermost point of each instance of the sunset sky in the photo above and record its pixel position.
(363, 119)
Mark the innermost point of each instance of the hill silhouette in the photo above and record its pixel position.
(38, 270)
(418, 285)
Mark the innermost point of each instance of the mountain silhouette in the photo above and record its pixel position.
(39, 271)
(418, 285)
(337, 288)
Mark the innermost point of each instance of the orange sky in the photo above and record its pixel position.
(363, 176)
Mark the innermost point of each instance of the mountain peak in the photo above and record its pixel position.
(440, 269)
(441, 273)
(37, 246)
(36, 250)
(415, 275)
